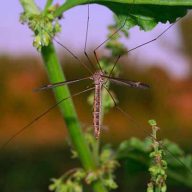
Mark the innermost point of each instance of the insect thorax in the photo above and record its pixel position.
(98, 77)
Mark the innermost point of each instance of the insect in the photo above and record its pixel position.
(99, 79)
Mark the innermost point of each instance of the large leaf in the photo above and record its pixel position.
(146, 16)
(144, 13)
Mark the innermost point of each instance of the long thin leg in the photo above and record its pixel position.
(68, 50)
(118, 30)
(122, 111)
(95, 50)
(86, 37)
(143, 44)
(110, 37)
(127, 115)
(40, 116)
(95, 54)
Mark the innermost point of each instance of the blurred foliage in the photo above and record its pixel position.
(74, 179)
(29, 170)
(158, 166)
(186, 47)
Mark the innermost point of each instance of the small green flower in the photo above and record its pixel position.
(44, 26)
(158, 166)
(152, 122)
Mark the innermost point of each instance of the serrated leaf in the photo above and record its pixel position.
(145, 14)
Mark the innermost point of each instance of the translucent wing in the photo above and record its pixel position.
(50, 86)
(128, 83)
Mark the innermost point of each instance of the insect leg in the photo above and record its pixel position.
(40, 116)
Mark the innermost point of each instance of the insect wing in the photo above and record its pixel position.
(128, 83)
(50, 86)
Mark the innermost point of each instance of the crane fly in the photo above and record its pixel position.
(99, 79)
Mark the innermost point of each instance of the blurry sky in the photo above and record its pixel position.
(16, 39)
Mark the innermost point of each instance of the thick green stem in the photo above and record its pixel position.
(48, 3)
(30, 6)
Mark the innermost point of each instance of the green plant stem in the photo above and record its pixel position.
(48, 3)
(30, 6)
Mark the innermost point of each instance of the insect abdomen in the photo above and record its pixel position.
(97, 110)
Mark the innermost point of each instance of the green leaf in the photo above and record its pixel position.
(134, 144)
(145, 16)
(135, 150)
(172, 147)
(143, 13)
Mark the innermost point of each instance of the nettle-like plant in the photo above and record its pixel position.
(99, 162)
